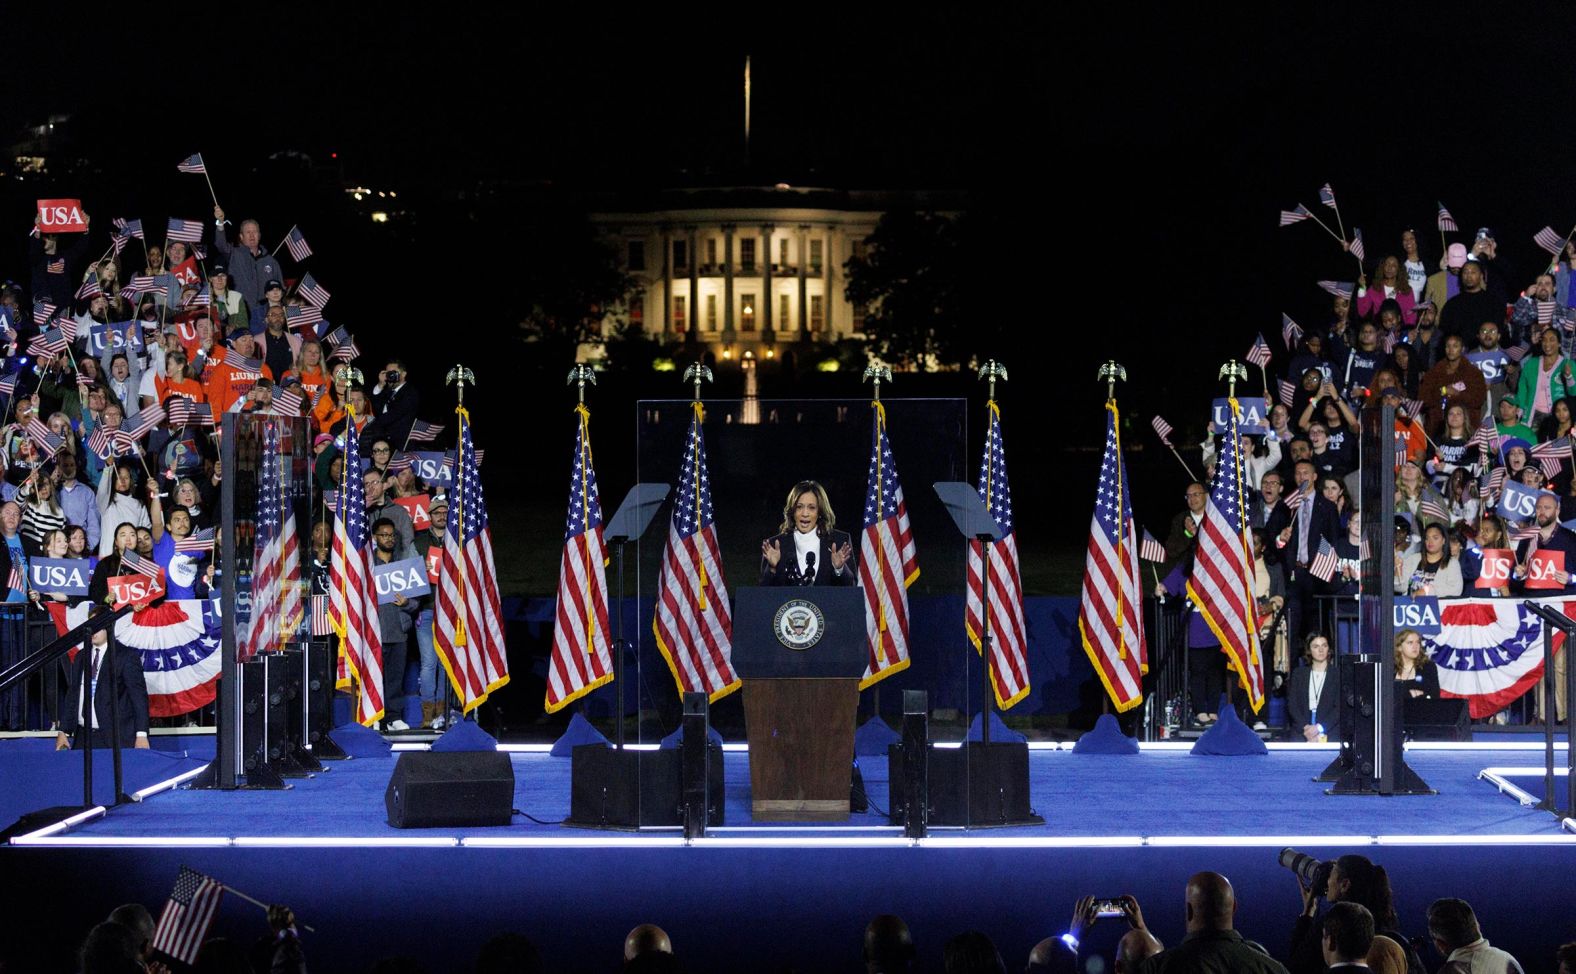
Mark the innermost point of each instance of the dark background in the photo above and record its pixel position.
(1128, 166)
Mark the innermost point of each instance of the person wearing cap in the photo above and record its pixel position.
(1445, 283)
(273, 297)
(1544, 379)
(1471, 306)
(1508, 422)
(429, 548)
(249, 265)
(229, 380)
(226, 302)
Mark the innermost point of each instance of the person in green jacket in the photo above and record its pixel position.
(1509, 425)
(1550, 367)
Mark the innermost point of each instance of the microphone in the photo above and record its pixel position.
(809, 568)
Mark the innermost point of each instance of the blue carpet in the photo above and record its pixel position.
(1082, 795)
(36, 776)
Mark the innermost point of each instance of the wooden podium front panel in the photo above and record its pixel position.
(801, 734)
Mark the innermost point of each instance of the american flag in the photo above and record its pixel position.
(1549, 240)
(581, 658)
(197, 542)
(1517, 352)
(287, 402)
(404, 461)
(14, 580)
(1327, 197)
(887, 561)
(1111, 614)
(1522, 532)
(90, 289)
(202, 299)
(1221, 582)
(192, 163)
(421, 432)
(188, 231)
(1357, 244)
(468, 616)
(185, 412)
(188, 914)
(1446, 221)
(1487, 436)
(303, 316)
(47, 345)
(1009, 661)
(131, 228)
(276, 556)
(1150, 549)
(1340, 289)
(296, 244)
(1163, 429)
(1291, 332)
(1259, 354)
(450, 458)
(43, 438)
(102, 441)
(1325, 562)
(1294, 500)
(133, 562)
(353, 596)
(1288, 393)
(42, 312)
(8, 385)
(140, 284)
(1430, 508)
(313, 291)
(1551, 455)
(693, 626)
(1545, 312)
(146, 419)
(56, 266)
(1288, 217)
(68, 328)
(320, 626)
(1412, 407)
(341, 345)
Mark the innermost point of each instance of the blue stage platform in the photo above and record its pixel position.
(1114, 824)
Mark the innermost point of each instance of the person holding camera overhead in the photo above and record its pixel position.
(807, 550)
(1349, 879)
(395, 403)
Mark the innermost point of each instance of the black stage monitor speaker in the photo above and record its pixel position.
(626, 789)
(447, 790)
(1436, 720)
(977, 785)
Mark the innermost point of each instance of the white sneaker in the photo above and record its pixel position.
(1259, 725)
(438, 722)
(397, 725)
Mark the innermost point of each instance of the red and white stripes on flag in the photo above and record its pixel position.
(1111, 613)
(1259, 354)
(1288, 217)
(1291, 332)
(1163, 429)
(1288, 393)
(1009, 632)
(468, 614)
(1325, 563)
(887, 562)
(582, 659)
(1150, 549)
(352, 593)
(188, 914)
(1356, 246)
(1549, 240)
(276, 556)
(1446, 221)
(693, 624)
(1221, 582)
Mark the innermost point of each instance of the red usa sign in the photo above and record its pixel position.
(61, 216)
(135, 589)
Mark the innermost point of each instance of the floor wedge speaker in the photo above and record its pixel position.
(447, 790)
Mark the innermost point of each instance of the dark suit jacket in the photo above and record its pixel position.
(787, 571)
(1326, 523)
(127, 679)
(1297, 713)
(396, 411)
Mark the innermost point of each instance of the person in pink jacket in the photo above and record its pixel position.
(1390, 282)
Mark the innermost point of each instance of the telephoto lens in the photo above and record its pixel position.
(1314, 873)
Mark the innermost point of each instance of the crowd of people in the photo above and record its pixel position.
(1357, 927)
(1476, 360)
(120, 369)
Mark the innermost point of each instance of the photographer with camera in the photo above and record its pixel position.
(1349, 879)
(395, 403)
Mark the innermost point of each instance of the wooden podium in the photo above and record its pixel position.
(801, 653)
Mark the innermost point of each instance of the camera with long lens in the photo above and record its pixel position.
(1314, 873)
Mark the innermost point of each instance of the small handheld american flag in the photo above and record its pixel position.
(131, 561)
(1150, 549)
(188, 914)
(192, 163)
(1325, 562)
(421, 432)
(42, 312)
(1446, 221)
(1288, 393)
(1291, 332)
(296, 244)
(201, 541)
(90, 289)
(1288, 217)
(1339, 289)
(186, 231)
(1549, 240)
(1327, 196)
(1357, 244)
(313, 291)
(303, 316)
(1164, 429)
(1259, 354)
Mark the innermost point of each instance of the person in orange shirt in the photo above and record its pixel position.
(1411, 443)
(178, 379)
(231, 379)
(330, 409)
(309, 369)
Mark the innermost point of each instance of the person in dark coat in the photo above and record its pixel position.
(1315, 519)
(119, 670)
(807, 550)
(1313, 695)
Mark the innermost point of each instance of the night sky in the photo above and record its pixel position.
(1131, 162)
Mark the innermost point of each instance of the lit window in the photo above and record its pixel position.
(678, 314)
(747, 312)
(817, 312)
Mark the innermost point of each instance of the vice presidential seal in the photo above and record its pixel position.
(799, 624)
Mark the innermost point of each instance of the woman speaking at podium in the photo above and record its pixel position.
(806, 550)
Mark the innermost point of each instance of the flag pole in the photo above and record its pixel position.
(1325, 226)
(458, 377)
(293, 228)
(1111, 372)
